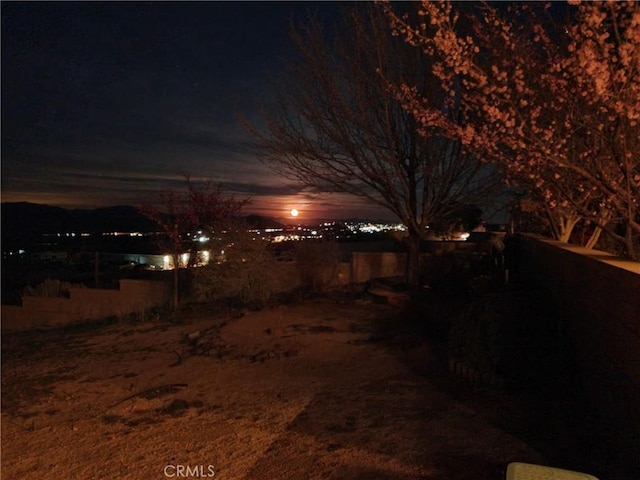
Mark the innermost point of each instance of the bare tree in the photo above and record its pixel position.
(338, 126)
(201, 206)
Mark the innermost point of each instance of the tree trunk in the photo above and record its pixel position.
(96, 269)
(631, 251)
(174, 300)
(593, 239)
(567, 225)
(413, 260)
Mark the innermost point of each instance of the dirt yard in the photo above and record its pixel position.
(306, 391)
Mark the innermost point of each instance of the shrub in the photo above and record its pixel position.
(474, 336)
(50, 287)
(248, 272)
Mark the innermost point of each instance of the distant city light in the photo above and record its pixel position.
(335, 230)
(367, 227)
(284, 238)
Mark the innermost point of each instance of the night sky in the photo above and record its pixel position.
(110, 103)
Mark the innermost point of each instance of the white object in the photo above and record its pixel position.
(528, 471)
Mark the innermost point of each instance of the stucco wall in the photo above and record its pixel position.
(133, 296)
(139, 295)
(598, 296)
(369, 265)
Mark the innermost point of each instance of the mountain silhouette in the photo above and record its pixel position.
(24, 223)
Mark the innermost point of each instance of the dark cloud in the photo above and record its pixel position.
(107, 103)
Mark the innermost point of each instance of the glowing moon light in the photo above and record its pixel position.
(294, 212)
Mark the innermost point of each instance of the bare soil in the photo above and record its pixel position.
(312, 390)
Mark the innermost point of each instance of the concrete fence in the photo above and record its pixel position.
(133, 296)
(598, 297)
(136, 296)
(366, 266)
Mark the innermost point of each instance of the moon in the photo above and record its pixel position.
(294, 212)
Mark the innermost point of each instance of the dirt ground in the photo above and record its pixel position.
(304, 391)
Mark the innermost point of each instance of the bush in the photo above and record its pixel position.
(474, 336)
(248, 273)
(50, 287)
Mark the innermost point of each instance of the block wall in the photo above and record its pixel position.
(598, 297)
(133, 296)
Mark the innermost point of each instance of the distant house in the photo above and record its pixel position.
(154, 261)
(50, 256)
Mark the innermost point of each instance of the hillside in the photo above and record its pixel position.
(27, 222)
